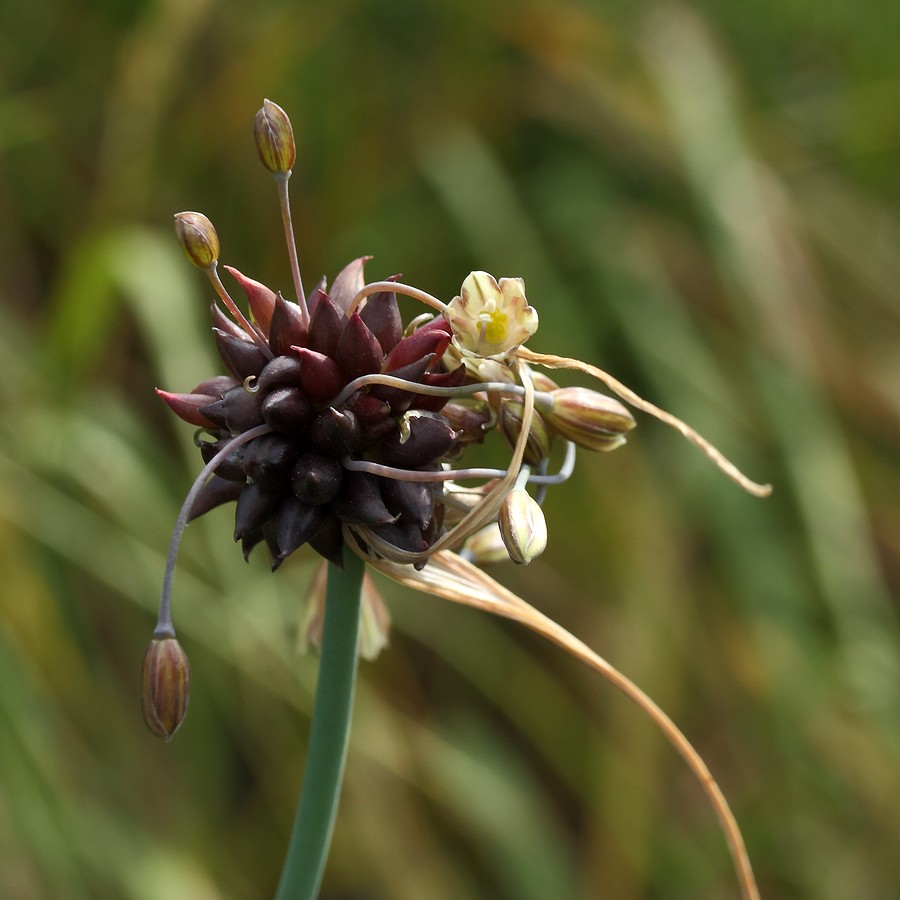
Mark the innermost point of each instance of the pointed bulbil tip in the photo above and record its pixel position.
(198, 238)
(274, 137)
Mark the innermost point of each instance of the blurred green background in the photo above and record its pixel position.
(702, 199)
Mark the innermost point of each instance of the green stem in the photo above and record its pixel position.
(317, 809)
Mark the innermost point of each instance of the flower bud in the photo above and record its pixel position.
(537, 445)
(486, 546)
(274, 138)
(165, 686)
(590, 419)
(198, 238)
(522, 526)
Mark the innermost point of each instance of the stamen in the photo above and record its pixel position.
(251, 384)
(164, 627)
(629, 396)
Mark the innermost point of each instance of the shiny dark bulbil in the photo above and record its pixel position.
(292, 486)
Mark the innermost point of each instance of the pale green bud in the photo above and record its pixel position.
(522, 526)
(590, 419)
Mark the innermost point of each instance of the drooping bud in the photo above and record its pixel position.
(165, 686)
(522, 526)
(198, 238)
(274, 138)
(590, 419)
(486, 546)
(537, 445)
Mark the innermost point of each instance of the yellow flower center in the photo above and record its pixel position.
(494, 326)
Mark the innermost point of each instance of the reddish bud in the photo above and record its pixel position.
(165, 686)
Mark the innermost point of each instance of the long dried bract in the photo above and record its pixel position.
(449, 576)
(629, 396)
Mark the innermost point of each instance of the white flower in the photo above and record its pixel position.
(490, 318)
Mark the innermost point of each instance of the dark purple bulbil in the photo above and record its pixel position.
(292, 485)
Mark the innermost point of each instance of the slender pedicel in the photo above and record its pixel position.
(430, 390)
(164, 627)
(284, 200)
(396, 287)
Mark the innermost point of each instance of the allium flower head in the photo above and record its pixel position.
(337, 425)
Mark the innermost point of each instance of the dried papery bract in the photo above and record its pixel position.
(453, 578)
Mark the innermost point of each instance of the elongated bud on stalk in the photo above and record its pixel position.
(522, 526)
(274, 138)
(590, 419)
(198, 238)
(165, 686)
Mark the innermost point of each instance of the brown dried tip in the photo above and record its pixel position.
(165, 686)
(274, 138)
(198, 238)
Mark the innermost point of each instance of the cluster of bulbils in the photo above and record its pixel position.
(339, 426)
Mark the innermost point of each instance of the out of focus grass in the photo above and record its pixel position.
(702, 199)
